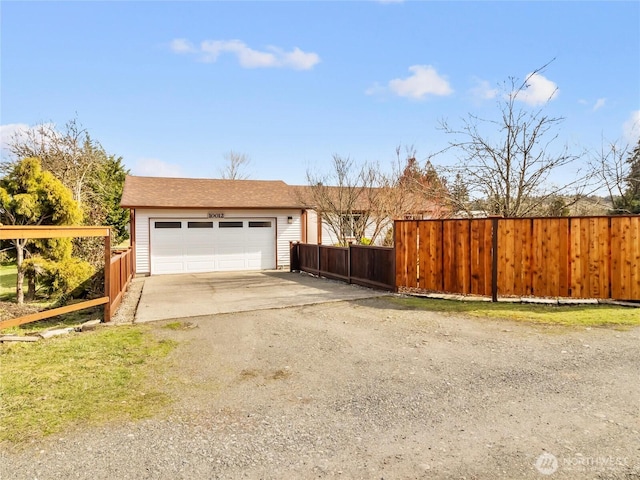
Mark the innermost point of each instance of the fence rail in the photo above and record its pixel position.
(120, 274)
(118, 269)
(574, 257)
(359, 264)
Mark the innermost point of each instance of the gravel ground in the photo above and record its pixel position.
(367, 390)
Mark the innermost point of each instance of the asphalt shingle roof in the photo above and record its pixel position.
(157, 192)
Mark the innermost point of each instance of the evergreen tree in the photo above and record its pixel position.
(633, 180)
(31, 196)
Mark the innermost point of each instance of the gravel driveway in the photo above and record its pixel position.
(364, 389)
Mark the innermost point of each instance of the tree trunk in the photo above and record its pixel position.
(20, 274)
(31, 291)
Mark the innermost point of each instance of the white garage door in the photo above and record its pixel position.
(196, 245)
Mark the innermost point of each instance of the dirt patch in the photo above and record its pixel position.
(9, 310)
(368, 390)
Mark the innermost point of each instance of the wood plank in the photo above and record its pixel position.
(398, 243)
(406, 253)
(424, 255)
(18, 338)
(506, 257)
(107, 277)
(480, 254)
(584, 246)
(604, 257)
(487, 255)
(620, 257)
(464, 256)
(537, 264)
(575, 264)
(522, 261)
(430, 251)
(412, 254)
(448, 256)
(475, 270)
(594, 281)
(563, 253)
(34, 317)
(457, 272)
(625, 258)
(10, 232)
(633, 244)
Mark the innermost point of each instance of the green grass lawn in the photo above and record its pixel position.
(8, 274)
(88, 378)
(576, 315)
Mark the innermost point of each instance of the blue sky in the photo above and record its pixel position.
(172, 86)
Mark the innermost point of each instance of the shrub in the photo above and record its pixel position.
(61, 278)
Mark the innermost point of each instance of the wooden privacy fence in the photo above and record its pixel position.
(118, 270)
(363, 265)
(575, 257)
(120, 274)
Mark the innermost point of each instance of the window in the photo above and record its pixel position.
(168, 224)
(230, 224)
(352, 225)
(200, 224)
(266, 224)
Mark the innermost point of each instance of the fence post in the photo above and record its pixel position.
(294, 256)
(349, 261)
(494, 257)
(107, 276)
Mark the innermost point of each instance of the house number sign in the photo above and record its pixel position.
(215, 215)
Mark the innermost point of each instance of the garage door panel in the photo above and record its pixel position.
(168, 266)
(206, 246)
(199, 264)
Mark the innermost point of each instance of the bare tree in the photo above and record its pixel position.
(358, 202)
(617, 168)
(347, 199)
(509, 165)
(235, 166)
(70, 154)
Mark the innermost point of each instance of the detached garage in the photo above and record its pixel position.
(184, 225)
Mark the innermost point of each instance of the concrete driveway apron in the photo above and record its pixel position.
(166, 297)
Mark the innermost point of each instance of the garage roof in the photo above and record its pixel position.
(157, 192)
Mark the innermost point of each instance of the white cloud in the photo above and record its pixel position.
(298, 59)
(599, 104)
(424, 81)
(181, 45)
(21, 132)
(11, 131)
(483, 90)
(538, 91)
(152, 167)
(631, 128)
(271, 57)
(375, 89)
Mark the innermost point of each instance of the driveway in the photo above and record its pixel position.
(367, 389)
(167, 297)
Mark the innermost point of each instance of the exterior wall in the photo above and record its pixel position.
(312, 227)
(329, 238)
(285, 231)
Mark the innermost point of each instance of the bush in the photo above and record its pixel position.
(61, 278)
(5, 258)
